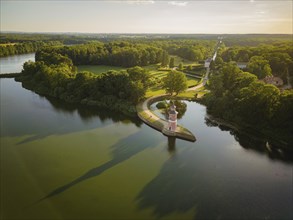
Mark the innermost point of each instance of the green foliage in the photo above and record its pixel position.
(121, 54)
(278, 56)
(259, 66)
(165, 59)
(22, 48)
(175, 82)
(180, 67)
(239, 97)
(54, 75)
(162, 105)
(171, 63)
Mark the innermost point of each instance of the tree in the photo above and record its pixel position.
(189, 68)
(180, 67)
(165, 59)
(171, 63)
(259, 67)
(175, 82)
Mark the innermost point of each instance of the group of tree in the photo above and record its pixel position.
(263, 60)
(22, 48)
(57, 77)
(240, 97)
(120, 53)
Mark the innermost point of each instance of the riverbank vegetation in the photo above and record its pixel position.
(239, 97)
(9, 49)
(56, 76)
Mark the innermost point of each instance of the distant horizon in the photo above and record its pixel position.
(148, 16)
(139, 33)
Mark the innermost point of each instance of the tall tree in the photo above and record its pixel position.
(175, 82)
(165, 59)
(180, 67)
(171, 63)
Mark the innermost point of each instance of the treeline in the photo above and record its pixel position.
(239, 97)
(122, 54)
(276, 58)
(189, 49)
(10, 49)
(57, 78)
(253, 40)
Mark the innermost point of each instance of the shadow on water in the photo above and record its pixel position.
(256, 142)
(172, 145)
(93, 116)
(195, 186)
(87, 113)
(122, 151)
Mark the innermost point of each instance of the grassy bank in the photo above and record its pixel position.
(97, 69)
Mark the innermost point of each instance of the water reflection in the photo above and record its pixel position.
(256, 143)
(42, 116)
(87, 113)
(172, 145)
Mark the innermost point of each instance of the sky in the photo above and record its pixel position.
(148, 16)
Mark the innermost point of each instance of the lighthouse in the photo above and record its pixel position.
(172, 118)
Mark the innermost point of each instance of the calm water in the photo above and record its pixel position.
(62, 161)
(13, 64)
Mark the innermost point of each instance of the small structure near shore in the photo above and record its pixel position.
(274, 80)
(160, 124)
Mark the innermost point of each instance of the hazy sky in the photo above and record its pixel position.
(148, 16)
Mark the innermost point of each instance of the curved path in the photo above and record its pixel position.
(160, 124)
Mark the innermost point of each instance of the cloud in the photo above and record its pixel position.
(177, 3)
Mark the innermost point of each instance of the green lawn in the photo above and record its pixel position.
(185, 62)
(153, 71)
(97, 69)
(159, 74)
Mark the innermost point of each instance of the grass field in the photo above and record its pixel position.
(159, 74)
(97, 69)
(185, 62)
(153, 71)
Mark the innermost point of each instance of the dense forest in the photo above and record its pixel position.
(239, 97)
(128, 54)
(263, 60)
(10, 49)
(97, 53)
(57, 77)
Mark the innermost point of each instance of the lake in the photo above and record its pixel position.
(61, 161)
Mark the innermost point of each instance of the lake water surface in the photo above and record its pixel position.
(61, 161)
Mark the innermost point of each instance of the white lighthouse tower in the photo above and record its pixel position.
(172, 118)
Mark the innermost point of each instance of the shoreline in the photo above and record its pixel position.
(246, 129)
(250, 131)
(10, 75)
